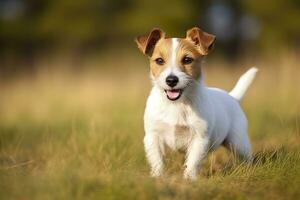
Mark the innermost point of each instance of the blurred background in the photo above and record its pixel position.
(73, 88)
(78, 30)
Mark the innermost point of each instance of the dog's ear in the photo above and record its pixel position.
(146, 42)
(204, 40)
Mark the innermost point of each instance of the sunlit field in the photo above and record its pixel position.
(78, 135)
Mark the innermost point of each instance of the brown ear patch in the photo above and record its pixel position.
(203, 40)
(146, 42)
(187, 48)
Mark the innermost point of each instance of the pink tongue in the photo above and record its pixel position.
(173, 94)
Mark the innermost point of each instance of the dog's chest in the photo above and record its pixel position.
(175, 125)
(177, 137)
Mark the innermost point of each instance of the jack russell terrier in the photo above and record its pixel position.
(184, 114)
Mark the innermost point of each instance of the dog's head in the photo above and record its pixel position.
(175, 62)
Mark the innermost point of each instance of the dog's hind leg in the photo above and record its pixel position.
(238, 142)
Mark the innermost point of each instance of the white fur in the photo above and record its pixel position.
(201, 120)
(243, 84)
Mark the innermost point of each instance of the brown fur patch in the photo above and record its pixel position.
(146, 42)
(187, 48)
(203, 40)
(181, 129)
(163, 49)
(196, 44)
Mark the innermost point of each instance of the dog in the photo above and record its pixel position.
(181, 112)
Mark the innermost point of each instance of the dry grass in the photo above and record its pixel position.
(79, 136)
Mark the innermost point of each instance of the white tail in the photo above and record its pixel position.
(243, 84)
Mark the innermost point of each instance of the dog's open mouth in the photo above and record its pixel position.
(173, 94)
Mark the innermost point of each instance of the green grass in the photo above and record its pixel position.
(66, 136)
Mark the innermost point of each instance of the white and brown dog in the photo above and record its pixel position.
(183, 113)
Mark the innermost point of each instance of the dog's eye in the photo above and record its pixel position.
(159, 61)
(187, 60)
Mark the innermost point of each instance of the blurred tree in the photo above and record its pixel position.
(280, 22)
(30, 26)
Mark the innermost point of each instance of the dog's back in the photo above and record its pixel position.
(229, 125)
(225, 117)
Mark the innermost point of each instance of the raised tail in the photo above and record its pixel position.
(243, 84)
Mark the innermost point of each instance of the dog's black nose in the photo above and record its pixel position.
(172, 80)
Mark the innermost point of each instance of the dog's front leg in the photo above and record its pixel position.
(154, 154)
(196, 151)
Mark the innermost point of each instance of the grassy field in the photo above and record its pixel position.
(66, 135)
